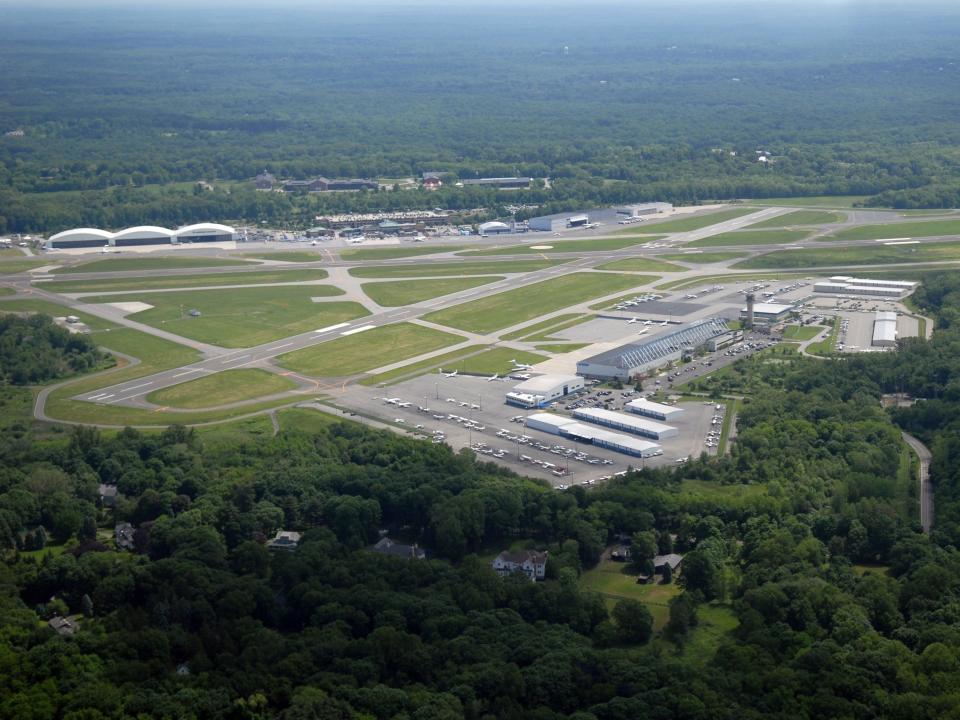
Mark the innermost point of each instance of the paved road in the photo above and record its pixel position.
(926, 490)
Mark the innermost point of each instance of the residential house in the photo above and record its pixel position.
(284, 540)
(62, 626)
(386, 546)
(123, 534)
(108, 495)
(265, 181)
(661, 561)
(531, 563)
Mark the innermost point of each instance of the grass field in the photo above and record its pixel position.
(367, 350)
(288, 256)
(828, 345)
(750, 237)
(525, 303)
(714, 623)
(898, 230)
(54, 310)
(716, 491)
(148, 263)
(222, 388)
(423, 366)
(565, 246)
(408, 292)
(12, 265)
(462, 268)
(542, 326)
(828, 257)
(800, 217)
(243, 317)
(609, 580)
(495, 360)
(801, 332)
(399, 251)
(704, 258)
(7, 291)
(686, 224)
(182, 281)
(826, 201)
(304, 420)
(547, 333)
(641, 265)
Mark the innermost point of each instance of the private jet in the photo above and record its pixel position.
(664, 323)
(643, 332)
(495, 376)
(633, 320)
(519, 365)
(690, 296)
(648, 322)
(450, 374)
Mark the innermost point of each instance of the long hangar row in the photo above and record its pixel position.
(142, 236)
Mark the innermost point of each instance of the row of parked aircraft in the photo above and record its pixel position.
(496, 376)
(633, 320)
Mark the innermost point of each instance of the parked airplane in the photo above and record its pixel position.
(691, 296)
(495, 376)
(648, 322)
(642, 331)
(451, 374)
(520, 365)
(664, 323)
(633, 320)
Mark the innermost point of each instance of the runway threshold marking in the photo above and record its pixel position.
(188, 372)
(233, 360)
(332, 327)
(364, 328)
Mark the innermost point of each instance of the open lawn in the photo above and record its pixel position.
(243, 317)
(293, 256)
(115, 264)
(704, 258)
(398, 251)
(829, 344)
(751, 237)
(642, 265)
(463, 268)
(182, 281)
(367, 350)
(55, 310)
(565, 246)
(516, 306)
(898, 230)
(872, 255)
(801, 332)
(7, 291)
(800, 217)
(692, 222)
(408, 292)
(547, 333)
(495, 360)
(717, 491)
(20, 263)
(610, 580)
(542, 326)
(423, 366)
(826, 201)
(560, 347)
(222, 388)
(714, 623)
(304, 420)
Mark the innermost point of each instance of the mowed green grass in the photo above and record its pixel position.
(899, 230)
(800, 217)
(560, 348)
(7, 291)
(18, 264)
(826, 201)
(641, 265)
(222, 388)
(408, 292)
(242, 317)
(29, 305)
(750, 237)
(148, 263)
(495, 360)
(801, 332)
(400, 251)
(181, 281)
(693, 222)
(516, 306)
(463, 268)
(609, 580)
(367, 350)
(704, 258)
(567, 246)
(872, 255)
(421, 367)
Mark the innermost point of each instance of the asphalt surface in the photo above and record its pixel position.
(926, 490)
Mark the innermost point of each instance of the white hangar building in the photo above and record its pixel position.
(144, 236)
(885, 329)
(542, 390)
(579, 432)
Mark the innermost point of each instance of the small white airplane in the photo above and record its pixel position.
(520, 365)
(495, 376)
(664, 323)
(648, 322)
(633, 320)
(642, 331)
(690, 296)
(450, 374)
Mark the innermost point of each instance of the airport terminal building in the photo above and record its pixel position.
(144, 237)
(846, 285)
(626, 361)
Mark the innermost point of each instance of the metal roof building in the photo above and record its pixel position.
(579, 432)
(628, 423)
(657, 411)
(768, 312)
(541, 390)
(142, 236)
(885, 329)
(558, 221)
(628, 360)
(832, 288)
(871, 282)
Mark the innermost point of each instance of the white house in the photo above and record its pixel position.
(531, 563)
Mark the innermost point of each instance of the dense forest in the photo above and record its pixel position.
(842, 607)
(612, 103)
(34, 349)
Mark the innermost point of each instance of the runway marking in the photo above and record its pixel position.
(232, 360)
(890, 240)
(135, 387)
(94, 397)
(104, 397)
(277, 347)
(332, 327)
(904, 242)
(188, 372)
(358, 330)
